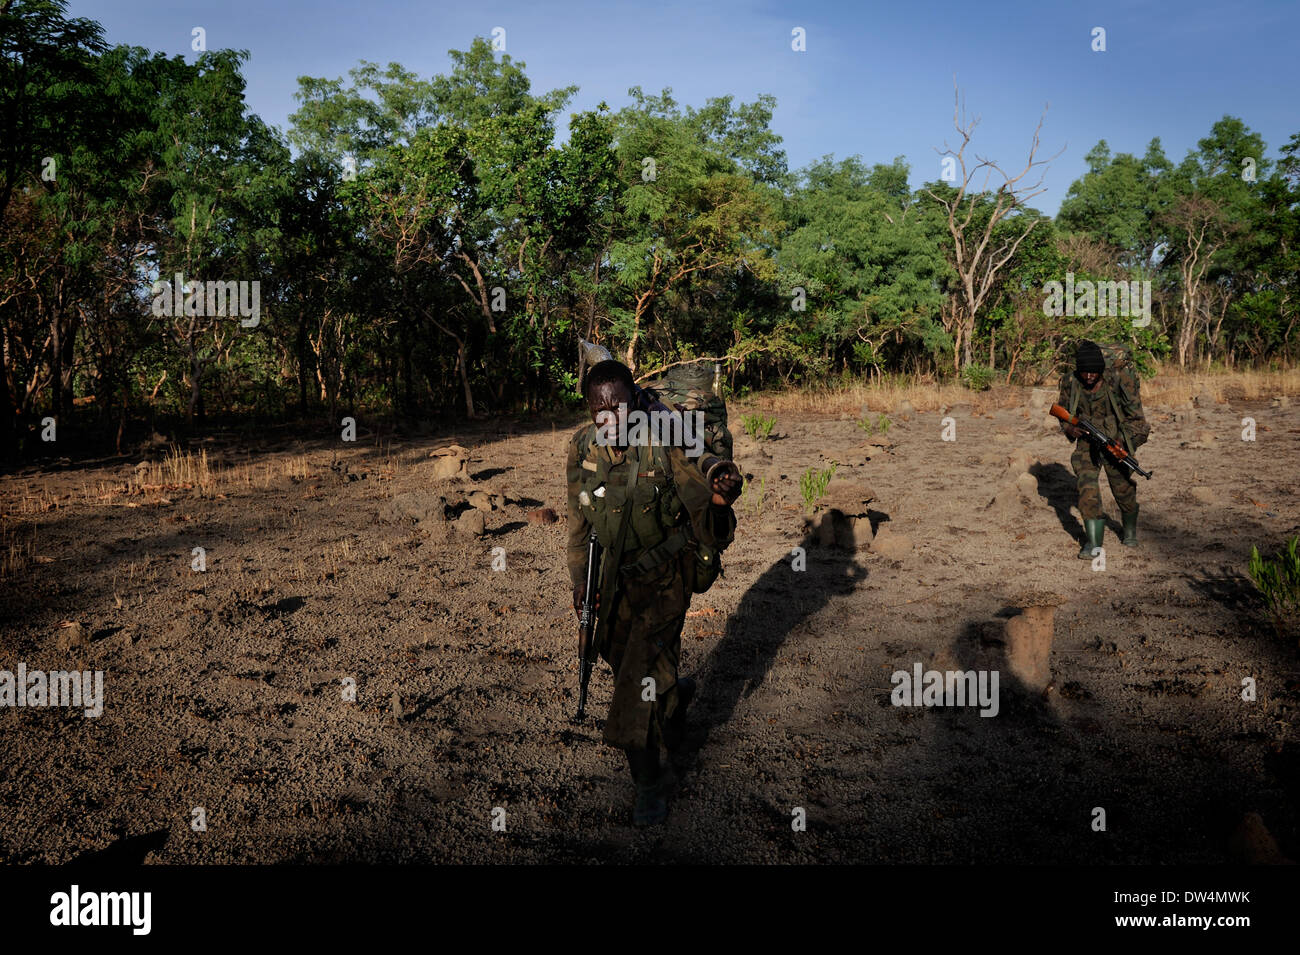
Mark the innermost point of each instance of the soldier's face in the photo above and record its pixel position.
(1089, 379)
(609, 405)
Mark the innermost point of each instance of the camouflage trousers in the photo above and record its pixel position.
(1088, 462)
(645, 641)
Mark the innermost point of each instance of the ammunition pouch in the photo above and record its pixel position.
(700, 571)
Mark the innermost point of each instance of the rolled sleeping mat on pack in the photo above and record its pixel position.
(593, 355)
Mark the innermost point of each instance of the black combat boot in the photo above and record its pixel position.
(651, 807)
(1131, 528)
(1093, 529)
(675, 731)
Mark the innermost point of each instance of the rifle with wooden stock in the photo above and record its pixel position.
(1110, 447)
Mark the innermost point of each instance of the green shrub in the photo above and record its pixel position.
(1278, 581)
(977, 377)
(812, 485)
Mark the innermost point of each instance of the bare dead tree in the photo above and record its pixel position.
(1202, 228)
(977, 255)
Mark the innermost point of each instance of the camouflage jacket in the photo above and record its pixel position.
(1115, 407)
(667, 492)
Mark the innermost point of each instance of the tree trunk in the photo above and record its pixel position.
(464, 378)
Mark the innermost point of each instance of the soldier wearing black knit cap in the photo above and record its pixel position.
(1108, 395)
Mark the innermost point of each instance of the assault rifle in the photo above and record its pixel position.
(587, 623)
(1112, 448)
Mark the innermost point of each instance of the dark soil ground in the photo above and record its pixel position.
(324, 563)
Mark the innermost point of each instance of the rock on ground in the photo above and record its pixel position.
(450, 462)
(891, 545)
(1028, 646)
(471, 522)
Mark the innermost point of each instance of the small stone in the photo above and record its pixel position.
(1007, 501)
(420, 506)
(472, 522)
(1204, 495)
(543, 515)
(73, 636)
(1029, 646)
(450, 462)
(481, 500)
(890, 545)
(1020, 461)
(842, 531)
(848, 496)
(396, 704)
(1027, 485)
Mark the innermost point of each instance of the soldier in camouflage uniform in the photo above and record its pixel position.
(1109, 397)
(646, 588)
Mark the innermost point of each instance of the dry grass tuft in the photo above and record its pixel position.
(178, 470)
(1169, 387)
(922, 393)
(1174, 387)
(17, 549)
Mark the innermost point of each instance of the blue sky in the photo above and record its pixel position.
(876, 78)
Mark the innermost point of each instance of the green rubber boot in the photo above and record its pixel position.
(651, 808)
(1094, 528)
(1131, 529)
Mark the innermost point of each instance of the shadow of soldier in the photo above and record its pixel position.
(977, 784)
(1078, 774)
(1023, 778)
(771, 609)
(1058, 486)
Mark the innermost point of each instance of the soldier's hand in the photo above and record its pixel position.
(1074, 432)
(726, 487)
(580, 594)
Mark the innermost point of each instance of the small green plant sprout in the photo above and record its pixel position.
(755, 492)
(871, 426)
(1277, 579)
(757, 426)
(812, 485)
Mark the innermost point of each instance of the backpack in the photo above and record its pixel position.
(691, 391)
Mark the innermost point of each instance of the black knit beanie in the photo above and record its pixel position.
(1088, 357)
